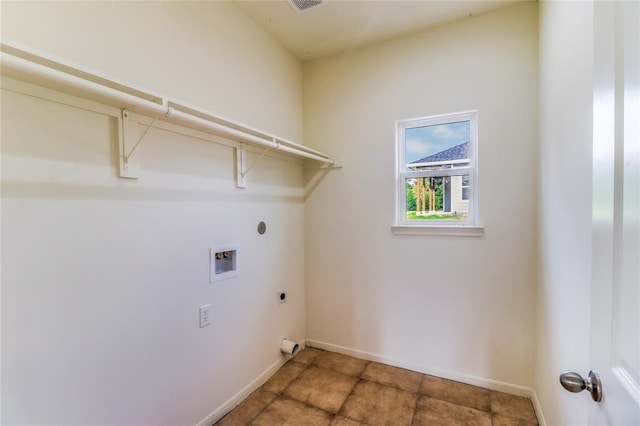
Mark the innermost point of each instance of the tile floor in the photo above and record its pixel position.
(325, 388)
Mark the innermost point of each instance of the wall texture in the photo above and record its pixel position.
(566, 117)
(102, 277)
(460, 306)
(210, 55)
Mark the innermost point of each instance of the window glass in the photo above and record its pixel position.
(465, 187)
(436, 198)
(439, 146)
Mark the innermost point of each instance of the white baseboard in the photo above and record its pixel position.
(463, 378)
(538, 408)
(232, 402)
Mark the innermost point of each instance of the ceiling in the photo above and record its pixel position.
(340, 25)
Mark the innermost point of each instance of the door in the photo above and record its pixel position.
(615, 310)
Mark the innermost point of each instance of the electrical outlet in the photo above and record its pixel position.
(204, 315)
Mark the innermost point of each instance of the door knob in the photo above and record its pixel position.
(573, 382)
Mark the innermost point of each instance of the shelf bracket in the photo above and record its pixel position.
(129, 142)
(241, 164)
(338, 164)
(318, 174)
(256, 161)
(242, 168)
(128, 135)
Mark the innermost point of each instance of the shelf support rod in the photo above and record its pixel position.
(267, 149)
(126, 158)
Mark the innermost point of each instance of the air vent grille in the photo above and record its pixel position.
(305, 5)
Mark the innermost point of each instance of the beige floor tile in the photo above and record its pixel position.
(435, 412)
(376, 404)
(393, 376)
(315, 383)
(283, 377)
(508, 421)
(307, 355)
(341, 363)
(248, 409)
(516, 407)
(343, 421)
(456, 392)
(286, 412)
(321, 388)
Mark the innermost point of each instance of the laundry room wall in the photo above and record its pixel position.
(103, 277)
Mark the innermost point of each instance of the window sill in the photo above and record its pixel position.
(443, 230)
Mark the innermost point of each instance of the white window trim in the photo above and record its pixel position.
(467, 228)
(439, 231)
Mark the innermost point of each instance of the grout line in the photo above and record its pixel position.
(263, 408)
(306, 367)
(282, 395)
(276, 394)
(347, 398)
(415, 407)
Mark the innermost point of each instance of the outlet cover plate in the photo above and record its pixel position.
(204, 315)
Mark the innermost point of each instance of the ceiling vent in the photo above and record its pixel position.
(305, 5)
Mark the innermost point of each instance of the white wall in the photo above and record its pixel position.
(102, 277)
(210, 55)
(564, 290)
(461, 306)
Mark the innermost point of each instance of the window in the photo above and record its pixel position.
(436, 172)
(465, 187)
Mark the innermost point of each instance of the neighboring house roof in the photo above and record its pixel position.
(458, 152)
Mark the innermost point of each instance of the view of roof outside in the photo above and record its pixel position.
(458, 154)
(423, 142)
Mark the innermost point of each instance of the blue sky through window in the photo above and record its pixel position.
(424, 141)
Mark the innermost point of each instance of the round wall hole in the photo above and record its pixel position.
(262, 228)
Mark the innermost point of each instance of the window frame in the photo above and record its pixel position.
(468, 227)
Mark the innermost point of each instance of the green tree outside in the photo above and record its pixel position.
(411, 198)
